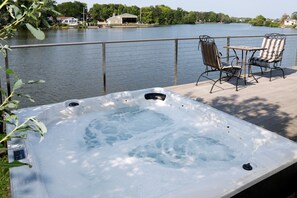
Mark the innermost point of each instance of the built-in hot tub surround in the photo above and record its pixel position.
(146, 143)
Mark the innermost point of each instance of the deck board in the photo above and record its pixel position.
(269, 104)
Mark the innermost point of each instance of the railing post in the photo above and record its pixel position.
(228, 52)
(7, 75)
(175, 61)
(104, 66)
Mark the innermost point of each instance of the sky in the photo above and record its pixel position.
(236, 8)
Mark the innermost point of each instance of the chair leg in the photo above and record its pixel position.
(214, 85)
(249, 70)
(238, 77)
(270, 74)
(237, 83)
(281, 70)
(200, 77)
(251, 74)
(221, 77)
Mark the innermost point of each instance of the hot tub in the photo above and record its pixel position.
(148, 143)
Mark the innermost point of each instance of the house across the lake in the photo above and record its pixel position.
(122, 19)
(290, 22)
(68, 20)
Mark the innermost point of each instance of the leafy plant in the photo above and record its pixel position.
(15, 14)
(28, 14)
(11, 120)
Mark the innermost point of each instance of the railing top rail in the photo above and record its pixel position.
(129, 41)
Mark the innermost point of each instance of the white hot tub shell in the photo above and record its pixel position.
(123, 145)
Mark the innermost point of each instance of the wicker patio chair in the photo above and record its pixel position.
(212, 61)
(271, 57)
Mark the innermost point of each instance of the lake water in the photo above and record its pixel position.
(76, 71)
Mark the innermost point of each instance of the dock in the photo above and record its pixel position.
(268, 104)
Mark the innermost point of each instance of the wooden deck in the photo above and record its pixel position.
(269, 104)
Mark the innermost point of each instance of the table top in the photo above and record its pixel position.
(244, 47)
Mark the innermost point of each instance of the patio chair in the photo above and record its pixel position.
(271, 57)
(212, 61)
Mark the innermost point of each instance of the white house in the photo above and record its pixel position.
(122, 19)
(290, 22)
(68, 20)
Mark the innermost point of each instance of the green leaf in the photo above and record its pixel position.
(28, 97)
(18, 84)
(13, 104)
(45, 23)
(13, 10)
(9, 71)
(11, 117)
(39, 124)
(37, 33)
(38, 127)
(24, 128)
(35, 81)
(14, 164)
(23, 136)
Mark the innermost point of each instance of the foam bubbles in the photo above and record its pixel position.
(183, 149)
(122, 124)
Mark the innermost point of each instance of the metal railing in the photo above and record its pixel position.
(151, 58)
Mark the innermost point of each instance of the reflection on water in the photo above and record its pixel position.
(76, 71)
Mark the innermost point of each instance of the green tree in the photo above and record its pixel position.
(178, 16)
(258, 21)
(95, 12)
(294, 15)
(132, 10)
(213, 17)
(262, 21)
(72, 9)
(190, 18)
(147, 15)
(165, 14)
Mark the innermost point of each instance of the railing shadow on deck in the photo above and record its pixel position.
(255, 110)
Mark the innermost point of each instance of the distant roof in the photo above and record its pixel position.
(125, 15)
(128, 15)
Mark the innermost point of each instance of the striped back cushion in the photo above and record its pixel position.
(274, 44)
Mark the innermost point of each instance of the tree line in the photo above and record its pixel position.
(262, 21)
(159, 14)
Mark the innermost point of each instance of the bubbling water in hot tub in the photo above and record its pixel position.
(186, 149)
(171, 145)
(122, 124)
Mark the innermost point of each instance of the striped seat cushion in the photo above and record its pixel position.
(260, 62)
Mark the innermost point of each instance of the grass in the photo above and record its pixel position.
(4, 178)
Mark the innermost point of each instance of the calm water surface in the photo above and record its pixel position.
(174, 31)
(76, 71)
